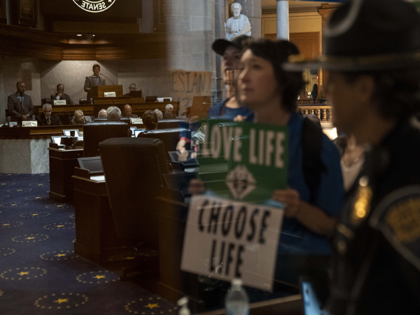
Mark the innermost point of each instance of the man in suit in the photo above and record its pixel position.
(132, 87)
(19, 104)
(128, 112)
(94, 80)
(60, 95)
(46, 118)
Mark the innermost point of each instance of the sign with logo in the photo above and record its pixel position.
(233, 230)
(256, 155)
(94, 6)
(29, 123)
(228, 239)
(110, 94)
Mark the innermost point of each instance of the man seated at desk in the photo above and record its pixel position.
(19, 104)
(113, 113)
(128, 112)
(60, 95)
(150, 119)
(132, 87)
(80, 118)
(46, 118)
(102, 114)
(95, 79)
(169, 112)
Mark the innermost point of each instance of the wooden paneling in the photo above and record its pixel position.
(95, 28)
(17, 41)
(308, 43)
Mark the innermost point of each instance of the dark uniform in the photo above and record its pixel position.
(377, 243)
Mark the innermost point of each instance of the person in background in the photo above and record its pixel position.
(60, 95)
(128, 112)
(19, 104)
(169, 112)
(159, 114)
(231, 53)
(150, 119)
(95, 79)
(352, 159)
(80, 118)
(113, 113)
(102, 114)
(314, 92)
(132, 87)
(46, 118)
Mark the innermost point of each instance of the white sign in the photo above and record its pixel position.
(29, 123)
(94, 6)
(228, 239)
(136, 121)
(110, 94)
(60, 102)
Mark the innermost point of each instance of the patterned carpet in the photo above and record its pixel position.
(39, 272)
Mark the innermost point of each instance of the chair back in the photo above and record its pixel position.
(95, 132)
(170, 123)
(134, 169)
(170, 137)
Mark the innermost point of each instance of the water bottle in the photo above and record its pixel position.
(183, 303)
(237, 302)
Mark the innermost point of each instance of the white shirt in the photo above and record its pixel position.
(234, 26)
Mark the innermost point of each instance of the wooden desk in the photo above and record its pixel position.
(62, 164)
(41, 132)
(95, 232)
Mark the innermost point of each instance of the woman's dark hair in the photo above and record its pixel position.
(150, 119)
(277, 52)
(397, 92)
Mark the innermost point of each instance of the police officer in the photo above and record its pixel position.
(373, 58)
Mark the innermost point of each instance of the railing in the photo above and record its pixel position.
(324, 113)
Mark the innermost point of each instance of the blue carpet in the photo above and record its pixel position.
(39, 272)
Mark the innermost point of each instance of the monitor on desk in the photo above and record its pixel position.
(185, 158)
(67, 132)
(151, 99)
(136, 94)
(138, 131)
(92, 164)
(56, 139)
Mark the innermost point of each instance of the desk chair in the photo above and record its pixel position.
(134, 169)
(96, 132)
(170, 123)
(170, 137)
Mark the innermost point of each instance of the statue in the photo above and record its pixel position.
(238, 24)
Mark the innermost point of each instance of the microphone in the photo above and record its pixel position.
(106, 78)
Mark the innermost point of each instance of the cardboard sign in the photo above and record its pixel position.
(60, 102)
(29, 124)
(256, 155)
(110, 94)
(187, 84)
(228, 239)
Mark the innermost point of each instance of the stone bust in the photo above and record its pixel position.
(238, 24)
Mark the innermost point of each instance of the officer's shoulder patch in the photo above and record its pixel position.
(398, 217)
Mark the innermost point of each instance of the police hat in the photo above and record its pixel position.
(368, 35)
(219, 46)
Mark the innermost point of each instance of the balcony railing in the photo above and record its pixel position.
(324, 113)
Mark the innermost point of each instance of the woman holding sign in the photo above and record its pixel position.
(313, 198)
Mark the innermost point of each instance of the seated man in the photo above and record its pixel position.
(159, 114)
(102, 114)
(150, 119)
(113, 113)
(128, 112)
(80, 118)
(132, 87)
(19, 104)
(169, 112)
(46, 118)
(60, 95)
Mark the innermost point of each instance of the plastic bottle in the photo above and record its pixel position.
(183, 303)
(237, 302)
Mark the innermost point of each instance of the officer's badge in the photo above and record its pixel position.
(361, 202)
(398, 218)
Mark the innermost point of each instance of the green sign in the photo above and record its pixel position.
(244, 161)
